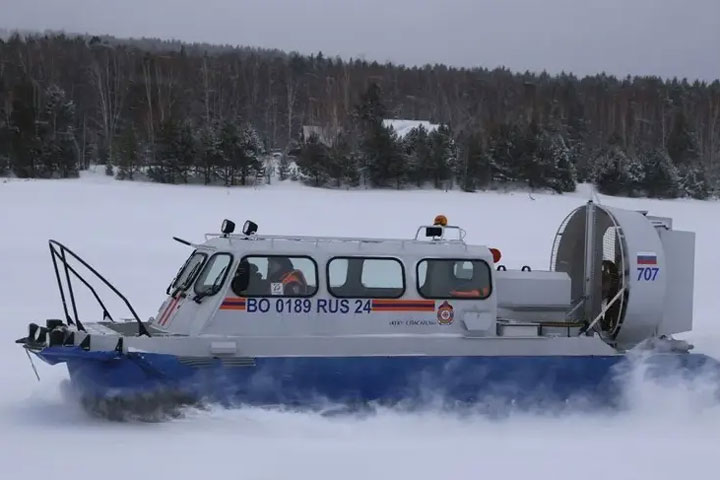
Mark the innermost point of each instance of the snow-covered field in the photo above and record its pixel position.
(125, 230)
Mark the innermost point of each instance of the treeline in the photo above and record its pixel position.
(178, 112)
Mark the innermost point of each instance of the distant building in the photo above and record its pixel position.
(402, 127)
(326, 135)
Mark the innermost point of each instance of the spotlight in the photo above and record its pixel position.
(249, 228)
(227, 227)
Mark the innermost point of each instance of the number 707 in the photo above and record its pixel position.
(649, 274)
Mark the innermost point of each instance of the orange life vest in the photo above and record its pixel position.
(470, 293)
(294, 276)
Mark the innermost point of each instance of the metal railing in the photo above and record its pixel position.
(59, 252)
(317, 240)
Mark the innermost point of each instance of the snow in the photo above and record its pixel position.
(125, 228)
(402, 127)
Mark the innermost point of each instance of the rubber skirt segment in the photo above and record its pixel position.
(409, 381)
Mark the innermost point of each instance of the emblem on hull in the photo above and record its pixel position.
(445, 313)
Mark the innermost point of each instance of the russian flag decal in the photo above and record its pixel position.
(647, 258)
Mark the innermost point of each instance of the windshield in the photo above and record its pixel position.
(188, 272)
(213, 275)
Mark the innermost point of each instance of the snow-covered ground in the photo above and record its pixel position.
(125, 230)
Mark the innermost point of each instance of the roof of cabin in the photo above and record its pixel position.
(271, 244)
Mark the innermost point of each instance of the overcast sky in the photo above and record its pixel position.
(658, 37)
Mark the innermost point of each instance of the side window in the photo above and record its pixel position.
(275, 275)
(454, 279)
(213, 275)
(187, 272)
(359, 277)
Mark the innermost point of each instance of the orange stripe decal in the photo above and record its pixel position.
(403, 309)
(168, 310)
(234, 303)
(401, 305)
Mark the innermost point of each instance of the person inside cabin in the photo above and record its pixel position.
(610, 286)
(281, 271)
(248, 280)
(239, 283)
(463, 283)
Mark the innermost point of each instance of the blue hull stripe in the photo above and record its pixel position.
(309, 380)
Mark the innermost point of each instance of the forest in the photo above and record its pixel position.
(178, 112)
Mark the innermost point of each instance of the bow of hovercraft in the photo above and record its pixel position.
(104, 375)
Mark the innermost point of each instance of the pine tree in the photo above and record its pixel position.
(230, 148)
(682, 144)
(475, 171)
(617, 173)
(187, 150)
(58, 148)
(552, 163)
(693, 182)
(379, 147)
(284, 167)
(127, 154)
(661, 176)
(167, 147)
(684, 151)
(382, 156)
(343, 162)
(577, 141)
(533, 162)
(506, 152)
(371, 110)
(210, 153)
(351, 169)
(313, 161)
(443, 155)
(251, 151)
(336, 164)
(635, 171)
(416, 147)
(25, 145)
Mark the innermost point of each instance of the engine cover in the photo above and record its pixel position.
(631, 273)
(533, 295)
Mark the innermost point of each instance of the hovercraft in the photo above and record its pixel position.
(305, 320)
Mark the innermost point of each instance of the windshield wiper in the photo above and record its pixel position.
(188, 280)
(215, 286)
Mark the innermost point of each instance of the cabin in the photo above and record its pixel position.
(292, 285)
